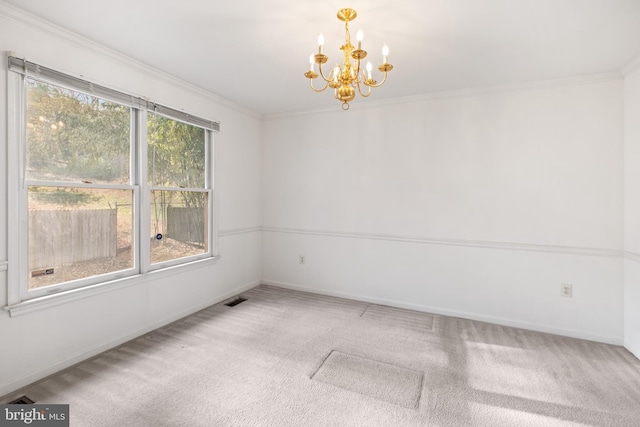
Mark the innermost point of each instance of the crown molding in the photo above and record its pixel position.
(36, 23)
(511, 246)
(631, 66)
(463, 93)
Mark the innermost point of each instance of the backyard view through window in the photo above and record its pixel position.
(179, 202)
(83, 187)
(79, 194)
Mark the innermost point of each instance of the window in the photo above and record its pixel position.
(179, 202)
(78, 185)
(105, 185)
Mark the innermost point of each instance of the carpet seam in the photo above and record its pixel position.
(420, 394)
(365, 310)
(321, 363)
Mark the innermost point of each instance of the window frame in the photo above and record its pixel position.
(19, 298)
(207, 188)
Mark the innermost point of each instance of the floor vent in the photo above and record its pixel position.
(235, 301)
(24, 400)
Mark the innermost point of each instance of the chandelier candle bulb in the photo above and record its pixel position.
(369, 68)
(359, 37)
(311, 61)
(385, 53)
(320, 43)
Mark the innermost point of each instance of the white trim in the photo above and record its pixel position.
(234, 231)
(511, 246)
(633, 347)
(211, 172)
(4, 265)
(632, 256)
(216, 194)
(461, 93)
(36, 23)
(94, 351)
(140, 140)
(631, 66)
(453, 313)
(15, 174)
(47, 301)
(162, 265)
(72, 184)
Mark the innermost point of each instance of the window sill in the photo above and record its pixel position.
(47, 301)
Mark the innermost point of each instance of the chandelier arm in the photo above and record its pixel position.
(384, 79)
(360, 90)
(361, 76)
(322, 74)
(318, 90)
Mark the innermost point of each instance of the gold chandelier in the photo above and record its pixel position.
(346, 79)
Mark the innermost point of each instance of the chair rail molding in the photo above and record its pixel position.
(512, 246)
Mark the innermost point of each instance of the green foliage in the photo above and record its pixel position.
(60, 196)
(176, 158)
(72, 136)
(176, 153)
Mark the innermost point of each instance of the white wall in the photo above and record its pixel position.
(632, 211)
(479, 206)
(36, 344)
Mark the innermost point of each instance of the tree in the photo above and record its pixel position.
(72, 136)
(176, 158)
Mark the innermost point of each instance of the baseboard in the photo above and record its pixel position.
(50, 370)
(633, 347)
(453, 313)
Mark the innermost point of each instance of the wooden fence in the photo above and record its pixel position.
(58, 237)
(187, 224)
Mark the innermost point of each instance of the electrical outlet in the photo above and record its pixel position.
(301, 259)
(566, 290)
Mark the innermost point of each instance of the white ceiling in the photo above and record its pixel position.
(255, 52)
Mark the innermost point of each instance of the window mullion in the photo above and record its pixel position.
(143, 204)
(212, 160)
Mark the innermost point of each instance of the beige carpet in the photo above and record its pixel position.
(285, 358)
